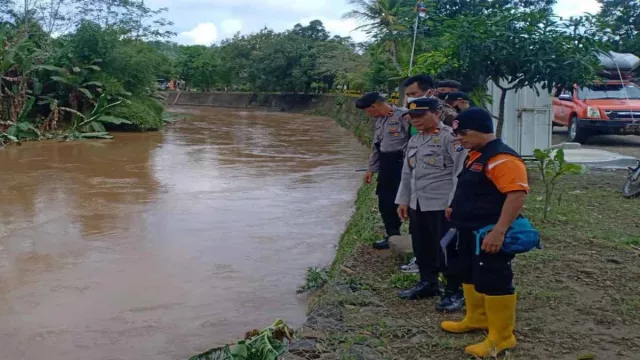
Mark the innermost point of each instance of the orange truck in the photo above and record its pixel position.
(610, 105)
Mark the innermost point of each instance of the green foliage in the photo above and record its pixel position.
(268, 344)
(141, 114)
(619, 22)
(515, 49)
(315, 279)
(404, 280)
(4, 138)
(552, 167)
(99, 57)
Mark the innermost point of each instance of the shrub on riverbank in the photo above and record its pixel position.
(144, 114)
(48, 83)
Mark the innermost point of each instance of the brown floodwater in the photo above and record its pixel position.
(162, 245)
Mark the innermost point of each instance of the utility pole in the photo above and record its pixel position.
(421, 12)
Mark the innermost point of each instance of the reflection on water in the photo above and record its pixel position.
(157, 246)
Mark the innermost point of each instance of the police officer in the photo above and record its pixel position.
(418, 86)
(491, 190)
(429, 177)
(458, 100)
(389, 141)
(443, 89)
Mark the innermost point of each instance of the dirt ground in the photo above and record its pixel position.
(626, 145)
(579, 297)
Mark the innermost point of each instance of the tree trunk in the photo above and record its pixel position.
(503, 98)
(401, 94)
(394, 56)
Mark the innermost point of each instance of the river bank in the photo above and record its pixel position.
(578, 297)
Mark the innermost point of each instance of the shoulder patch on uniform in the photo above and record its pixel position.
(459, 148)
(477, 167)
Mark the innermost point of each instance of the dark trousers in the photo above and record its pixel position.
(389, 211)
(427, 229)
(387, 189)
(491, 274)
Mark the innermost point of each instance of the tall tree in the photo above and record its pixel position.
(620, 23)
(386, 21)
(516, 50)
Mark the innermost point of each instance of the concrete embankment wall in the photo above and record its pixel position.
(339, 107)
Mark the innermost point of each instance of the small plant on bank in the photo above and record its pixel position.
(404, 280)
(552, 167)
(266, 344)
(315, 279)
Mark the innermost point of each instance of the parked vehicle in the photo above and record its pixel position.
(631, 187)
(608, 106)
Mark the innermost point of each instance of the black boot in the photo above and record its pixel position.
(452, 301)
(382, 244)
(424, 289)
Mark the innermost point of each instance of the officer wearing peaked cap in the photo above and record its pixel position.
(389, 141)
(429, 175)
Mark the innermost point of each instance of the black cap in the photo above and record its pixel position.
(457, 95)
(368, 99)
(449, 84)
(476, 119)
(422, 105)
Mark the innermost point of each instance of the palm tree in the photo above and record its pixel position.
(385, 20)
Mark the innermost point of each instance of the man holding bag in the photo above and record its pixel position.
(491, 190)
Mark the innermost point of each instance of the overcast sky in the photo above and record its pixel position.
(204, 22)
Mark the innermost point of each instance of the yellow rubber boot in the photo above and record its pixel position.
(501, 313)
(476, 316)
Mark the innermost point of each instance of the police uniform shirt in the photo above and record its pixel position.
(430, 171)
(390, 135)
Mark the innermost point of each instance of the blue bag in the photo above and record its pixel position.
(520, 237)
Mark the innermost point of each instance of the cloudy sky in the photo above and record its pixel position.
(207, 21)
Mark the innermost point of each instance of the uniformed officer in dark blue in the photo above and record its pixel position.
(387, 152)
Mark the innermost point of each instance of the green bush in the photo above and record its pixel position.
(154, 105)
(145, 114)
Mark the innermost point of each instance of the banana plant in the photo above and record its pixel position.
(23, 129)
(76, 82)
(17, 61)
(92, 125)
(4, 138)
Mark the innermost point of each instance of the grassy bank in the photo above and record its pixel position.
(579, 297)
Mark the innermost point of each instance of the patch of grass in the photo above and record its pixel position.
(630, 306)
(592, 208)
(315, 279)
(404, 280)
(631, 240)
(364, 226)
(539, 257)
(542, 294)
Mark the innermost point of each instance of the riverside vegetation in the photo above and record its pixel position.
(58, 58)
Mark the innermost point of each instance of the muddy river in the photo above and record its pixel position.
(162, 245)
